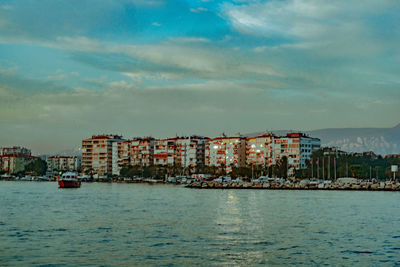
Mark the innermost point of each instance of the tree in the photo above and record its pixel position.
(37, 166)
(241, 171)
(359, 165)
(281, 167)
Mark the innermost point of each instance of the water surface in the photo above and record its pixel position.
(137, 224)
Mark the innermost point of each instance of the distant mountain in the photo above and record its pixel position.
(382, 141)
(68, 152)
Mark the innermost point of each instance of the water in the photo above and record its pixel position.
(137, 224)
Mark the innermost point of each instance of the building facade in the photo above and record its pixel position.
(180, 151)
(226, 152)
(190, 151)
(165, 152)
(142, 151)
(259, 150)
(14, 164)
(297, 147)
(101, 154)
(124, 155)
(15, 150)
(63, 163)
(107, 154)
(14, 159)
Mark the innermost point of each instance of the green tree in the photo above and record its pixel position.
(281, 168)
(37, 166)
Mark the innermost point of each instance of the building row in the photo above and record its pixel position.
(63, 163)
(14, 159)
(107, 154)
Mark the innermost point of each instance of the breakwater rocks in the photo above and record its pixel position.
(366, 186)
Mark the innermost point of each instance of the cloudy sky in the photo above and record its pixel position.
(73, 68)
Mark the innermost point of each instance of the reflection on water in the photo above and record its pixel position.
(127, 224)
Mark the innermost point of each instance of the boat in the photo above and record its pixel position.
(69, 180)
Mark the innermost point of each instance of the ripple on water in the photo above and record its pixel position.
(287, 248)
(357, 252)
(103, 224)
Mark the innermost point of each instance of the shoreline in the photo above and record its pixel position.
(256, 186)
(381, 186)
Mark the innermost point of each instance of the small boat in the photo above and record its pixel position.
(69, 180)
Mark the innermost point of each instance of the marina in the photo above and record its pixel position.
(263, 183)
(281, 184)
(199, 133)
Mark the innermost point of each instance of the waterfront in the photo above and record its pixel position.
(128, 224)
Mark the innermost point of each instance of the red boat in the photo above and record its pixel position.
(69, 180)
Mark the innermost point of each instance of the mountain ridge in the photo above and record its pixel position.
(382, 141)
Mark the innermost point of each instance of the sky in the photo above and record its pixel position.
(70, 69)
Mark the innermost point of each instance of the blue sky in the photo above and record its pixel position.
(70, 69)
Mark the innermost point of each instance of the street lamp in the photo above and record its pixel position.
(395, 168)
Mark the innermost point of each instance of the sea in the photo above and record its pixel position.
(111, 224)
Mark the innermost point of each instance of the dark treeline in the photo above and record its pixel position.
(358, 165)
(322, 165)
(37, 167)
(159, 172)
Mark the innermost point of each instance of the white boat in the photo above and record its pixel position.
(26, 178)
(69, 180)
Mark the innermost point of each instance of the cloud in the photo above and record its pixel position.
(57, 77)
(6, 7)
(280, 62)
(198, 9)
(199, 62)
(260, 49)
(76, 43)
(207, 108)
(174, 58)
(298, 18)
(340, 28)
(189, 39)
(14, 81)
(8, 71)
(148, 2)
(97, 81)
(47, 19)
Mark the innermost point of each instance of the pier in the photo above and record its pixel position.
(299, 185)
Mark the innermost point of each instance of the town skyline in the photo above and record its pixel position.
(378, 135)
(61, 148)
(70, 69)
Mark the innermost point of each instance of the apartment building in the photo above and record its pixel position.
(259, 150)
(190, 151)
(106, 154)
(142, 151)
(63, 163)
(297, 147)
(15, 150)
(14, 164)
(124, 155)
(101, 154)
(182, 151)
(165, 151)
(14, 159)
(226, 151)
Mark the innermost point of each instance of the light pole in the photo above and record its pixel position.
(395, 169)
